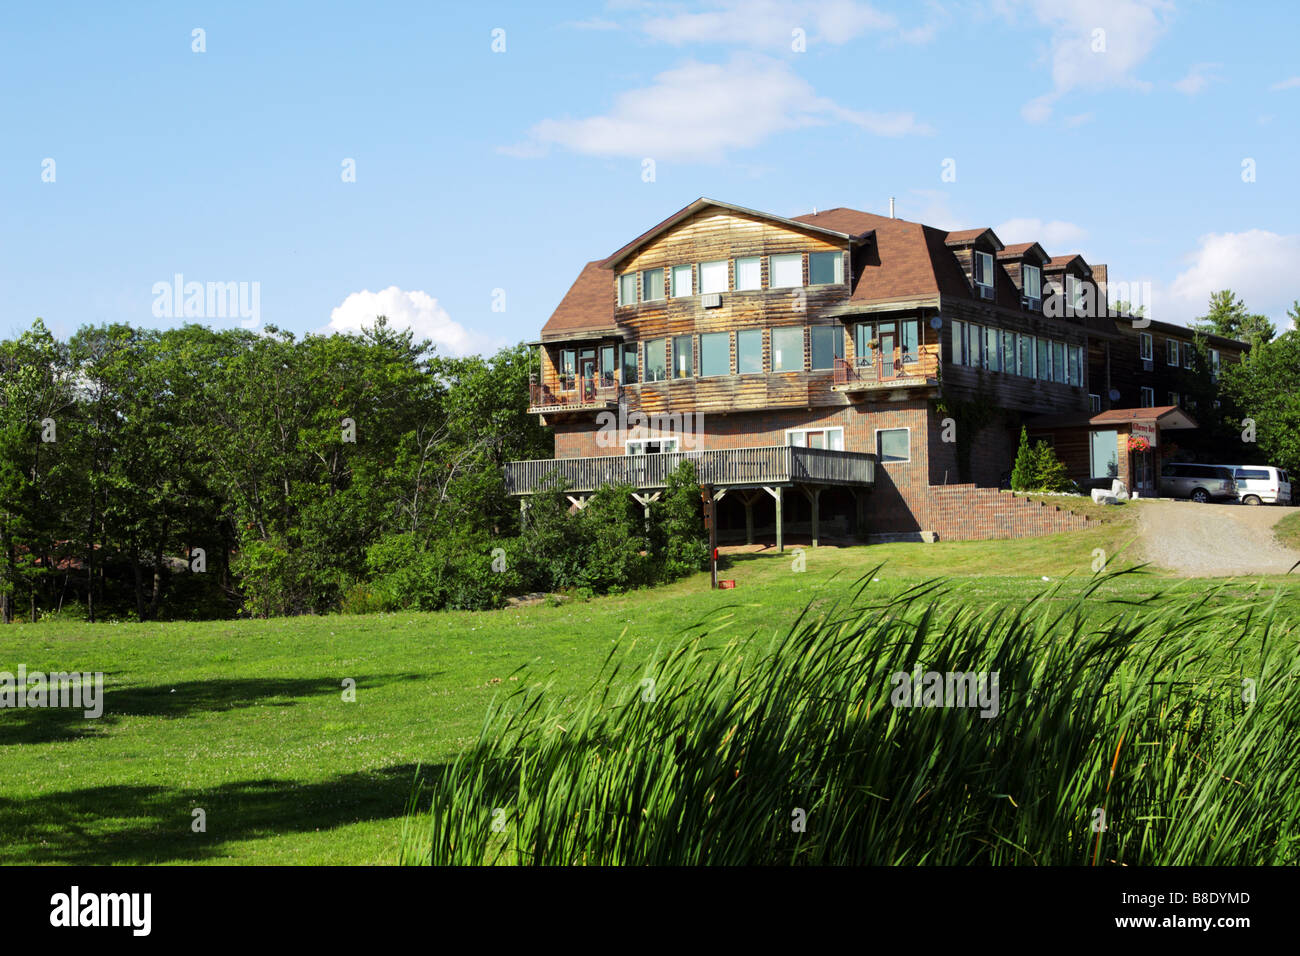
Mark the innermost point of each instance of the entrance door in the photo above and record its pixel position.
(587, 375)
(888, 340)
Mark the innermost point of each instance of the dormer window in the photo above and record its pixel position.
(652, 285)
(1033, 285)
(1074, 294)
(627, 289)
(984, 270)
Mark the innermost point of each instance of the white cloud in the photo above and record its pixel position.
(1258, 265)
(771, 23)
(1056, 236)
(417, 311)
(1197, 79)
(1093, 44)
(1287, 84)
(1077, 120)
(700, 111)
(933, 207)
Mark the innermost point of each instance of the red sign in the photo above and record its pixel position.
(726, 584)
(1147, 430)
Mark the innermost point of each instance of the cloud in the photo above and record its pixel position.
(1258, 265)
(770, 24)
(1056, 236)
(933, 207)
(1287, 84)
(1093, 44)
(701, 111)
(417, 311)
(1197, 79)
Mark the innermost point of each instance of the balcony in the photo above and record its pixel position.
(723, 467)
(580, 395)
(879, 374)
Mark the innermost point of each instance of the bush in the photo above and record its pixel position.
(680, 536)
(1038, 469)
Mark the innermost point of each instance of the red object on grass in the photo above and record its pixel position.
(726, 584)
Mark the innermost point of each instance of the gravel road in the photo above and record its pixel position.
(1214, 540)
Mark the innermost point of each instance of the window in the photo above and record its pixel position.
(1187, 355)
(825, 268)
(715, 353)
(958, 355)
(656, 354)
(1033, 285)
(606, 365)
(1045, 360)
(683, 281)
(1214, 365)
(683, 356)
(1026, 355)
(629, 364)
(1144, 346)
(1173, 398)
(1104, 453)
(893, 444)
(787, 349)
(713, 276)
(832, 438)
(786, 271)
(1171, 351)
(1094, 402)
(568, 367)
(974, 345)
(749, 351)
(1075, 365)
(991, 356)
(749, 274)
(909, 339)
(652, 285)
(651, 446)
(1148, 397)
(984, 269)
(1074, 289)
(627, 289)
(1009, 352)
(1059, 373)
(827, 345)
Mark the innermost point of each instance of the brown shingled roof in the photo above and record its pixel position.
(962, 236)
(1021, 250)
(1061, 262)
(588, 305)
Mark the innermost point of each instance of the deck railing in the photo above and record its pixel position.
(579, 393)
(876, 370)
(723, 467)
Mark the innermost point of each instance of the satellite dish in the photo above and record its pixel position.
(1114, 394)
(937, 322)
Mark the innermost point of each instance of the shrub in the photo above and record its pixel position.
(679, 535)
(1022, 472)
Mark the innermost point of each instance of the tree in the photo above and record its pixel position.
(1228, 317)
(1022, 475)
(1266, 389)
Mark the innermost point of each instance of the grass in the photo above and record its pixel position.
(799, 752)
(247, 721)
(1287, 531)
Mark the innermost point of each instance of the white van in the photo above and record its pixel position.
(1261, 485)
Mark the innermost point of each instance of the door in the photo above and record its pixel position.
(888, 340)
(587, 375)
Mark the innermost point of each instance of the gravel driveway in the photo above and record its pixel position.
(1214, 540)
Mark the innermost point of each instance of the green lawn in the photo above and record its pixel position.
(1287, 531)
(247, 721)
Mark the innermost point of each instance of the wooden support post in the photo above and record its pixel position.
(711, 522)
(749, 516)
(814, 496)
(645, 501)
(777, 492)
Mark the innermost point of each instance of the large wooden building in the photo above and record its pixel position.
(841, 372)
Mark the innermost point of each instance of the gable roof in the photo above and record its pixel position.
(587, 306)
(1024, 250)
(967, 236)
(1060, 263)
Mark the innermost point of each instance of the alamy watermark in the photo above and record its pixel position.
(973, 689)
(57, 689)
(179, 299)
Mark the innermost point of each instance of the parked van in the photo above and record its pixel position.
(1261, 484)
(1198, 482)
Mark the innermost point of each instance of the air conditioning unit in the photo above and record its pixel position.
(986, 291)
(711, 300)
(1148, 365)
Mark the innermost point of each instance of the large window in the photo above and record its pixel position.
(827, 345)
(1009, 352)
(568, 367)
(1033, 284)
(683, 281)
(715, 353)
(1144, 346)
(1104, 453)
(825, 268)
(787, 349)
(629, 364)
(713, 276)
(1026, 355)
(607, 365)
(1045, 360)
(1059, 373)
(992, 359)
(652, 285)
(1187, 355)
(651, 446)
(785, 271)
(893, 444)
(1074, 289)
(749, 351)
(958, 356)
(1171, 351)
(656, 360)
(627, 289)
(749, 273)
(683, 356)
(1076, 365)
(909, 332)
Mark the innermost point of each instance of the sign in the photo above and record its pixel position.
(1147, 430)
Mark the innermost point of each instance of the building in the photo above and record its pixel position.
(839, 372)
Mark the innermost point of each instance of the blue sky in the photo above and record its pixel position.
(478, 170)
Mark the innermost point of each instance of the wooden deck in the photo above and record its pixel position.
(881, 375)
(724, 468)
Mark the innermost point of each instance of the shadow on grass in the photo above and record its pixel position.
(53, 724)
(147, 824)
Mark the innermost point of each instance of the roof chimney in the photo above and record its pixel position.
(814, 210)
(891, 207)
